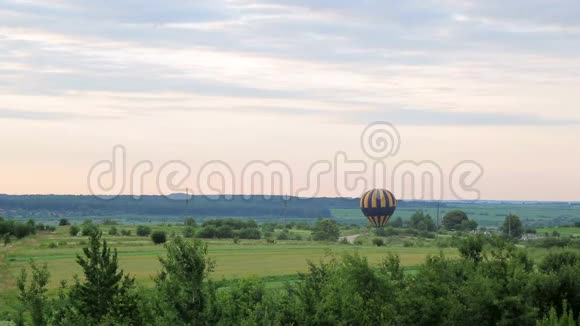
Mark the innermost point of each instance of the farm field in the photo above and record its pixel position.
(485, 214)
(139, 257)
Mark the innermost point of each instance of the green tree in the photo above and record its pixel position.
(378, 242)
(113, 230)
(188, 232)
(422, 221)
(326, 230)
(63, 222)
(471, 248)
(189, 221)
(143, 231)
(33, 296)
(181, 285)
(158, 237)
(74, 230)
(453, 219)
(512, 226)
(105, 292)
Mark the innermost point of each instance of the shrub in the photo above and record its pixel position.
(188, 232)
(88, 229)
(189, 221)
(143, 231)
(52, 245)
(358, 242)
(113, 231)
(378, 242)
(158, 237)
(63, 222)
(125, 232)
(74, 230)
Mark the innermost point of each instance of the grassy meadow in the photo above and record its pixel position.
(276, 262)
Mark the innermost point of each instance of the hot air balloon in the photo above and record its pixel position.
(378, 205)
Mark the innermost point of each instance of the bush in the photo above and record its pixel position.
(74, 230)
(143, 231)
(63, 222)
(188, 232)
(113, 231)
(125, 232)
(188, 221)
(88, 229)
(358, 242)
(249, 233)
(158, 237)
(326, 230)
(378, 242)
(52, 245)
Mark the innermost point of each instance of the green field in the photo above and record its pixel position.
(489, 214)
(138, 256)
(563, 231)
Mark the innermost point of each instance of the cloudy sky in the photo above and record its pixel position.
(494, 82)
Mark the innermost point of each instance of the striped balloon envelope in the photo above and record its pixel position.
(378, 205)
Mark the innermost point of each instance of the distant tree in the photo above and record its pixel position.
(125, 232)
(113, 231)
(453, 219)
(74, 230)
(143, 231)
(512, 226)
(326, 230)
(109, 221)
(6, 239)
(421, 221)
(88, 228)
(63, 222)
(378, 242)
(188, 232)
(158, 237)
(468, 225)
(33, 296)
(189, 221)
(396, 223)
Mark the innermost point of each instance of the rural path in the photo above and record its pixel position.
(351, 238)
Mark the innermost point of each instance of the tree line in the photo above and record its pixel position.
(492, 283)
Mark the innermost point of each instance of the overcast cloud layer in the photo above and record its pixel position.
(70, 70)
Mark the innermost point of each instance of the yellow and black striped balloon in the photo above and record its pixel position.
(378, 205)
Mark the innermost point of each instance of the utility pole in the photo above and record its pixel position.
(285, 200)
(438, 203)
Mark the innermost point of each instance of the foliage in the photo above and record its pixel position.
(189, 221)
(105, 292)
(326, 230)
(453, 219)
(421, 221)
(113, 230)
(378, 242)
(181, 285)
(33, 295)
(188, 232)
(74, 230)
(143, 231)
(158, 237)
(63, 222)
(17, 229)
(512, 226)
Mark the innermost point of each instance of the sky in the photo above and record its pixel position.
(490, 87)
